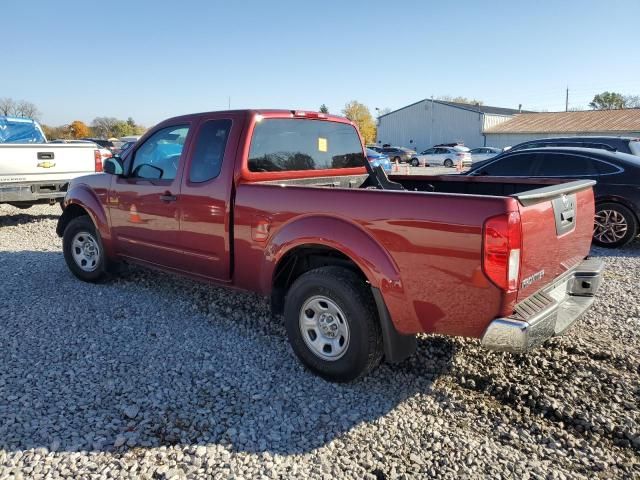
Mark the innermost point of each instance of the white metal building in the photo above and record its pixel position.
(531, 126)
(430, 122)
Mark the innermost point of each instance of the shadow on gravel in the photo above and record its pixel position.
(24, 218)
(148, 360)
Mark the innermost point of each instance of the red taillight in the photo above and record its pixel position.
(97, 157)
(303, 114)
(502, 241)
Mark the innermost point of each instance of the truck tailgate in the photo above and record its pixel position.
(557, 226)
(45, 162)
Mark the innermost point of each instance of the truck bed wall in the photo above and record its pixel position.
(433, 241)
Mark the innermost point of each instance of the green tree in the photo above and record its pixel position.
(359, 114)
(324, 108)
(607, 101)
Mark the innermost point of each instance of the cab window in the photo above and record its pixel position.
(282, 144)
(209, 150)
(158, 157)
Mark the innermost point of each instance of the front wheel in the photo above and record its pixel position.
(332, 324)
(83, 250)
(448, 163)
(415, 162)
(615, 225)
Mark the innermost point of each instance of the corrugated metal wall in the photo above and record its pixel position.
(415, 127)
(501, 140)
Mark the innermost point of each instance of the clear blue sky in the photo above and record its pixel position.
(154, 59)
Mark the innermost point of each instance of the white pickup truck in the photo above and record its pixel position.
(33, 171)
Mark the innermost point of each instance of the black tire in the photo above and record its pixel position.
(448, 163)
(415, 162)
(397, 159)
(616, 214)
(351, 294)
(78, 226)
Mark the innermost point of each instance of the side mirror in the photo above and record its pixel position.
(113, 165)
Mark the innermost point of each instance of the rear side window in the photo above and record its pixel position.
(282, 144)
(555, 165)
(520, 165)
(209, 150)
(634, 146)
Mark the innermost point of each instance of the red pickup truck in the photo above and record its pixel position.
(284, 203)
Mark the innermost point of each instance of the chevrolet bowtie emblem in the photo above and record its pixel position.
(46, 164)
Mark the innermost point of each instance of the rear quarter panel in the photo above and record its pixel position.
(422, 250)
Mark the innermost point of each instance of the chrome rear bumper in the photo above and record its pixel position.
(547, 313)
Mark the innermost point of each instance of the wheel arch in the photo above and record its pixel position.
(81, 201)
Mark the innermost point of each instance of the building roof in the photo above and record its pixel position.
(463, 106)
(594, 121)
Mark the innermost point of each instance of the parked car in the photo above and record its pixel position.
(629, 145)
(400, 155)
(484, 153)
(617, 191)
(33, 171)
(103, 143)
(447, 156)
(378, 159)
(124, 147)
(284, 203)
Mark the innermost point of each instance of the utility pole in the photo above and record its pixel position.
(431, 129)
(566, 102)
(229, 103)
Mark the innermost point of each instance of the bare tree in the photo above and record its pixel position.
(105, 127)
(26, 109)
(7, 106)
(632, 101)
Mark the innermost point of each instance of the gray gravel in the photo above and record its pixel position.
(149, 376)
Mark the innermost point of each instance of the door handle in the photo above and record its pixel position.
(167, 197)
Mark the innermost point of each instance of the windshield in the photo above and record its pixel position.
(460, 148)
(20, 130)
(634, 146)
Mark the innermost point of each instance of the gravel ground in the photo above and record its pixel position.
(149, 376)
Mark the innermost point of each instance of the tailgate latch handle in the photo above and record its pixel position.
(45, 156)
(567, 216)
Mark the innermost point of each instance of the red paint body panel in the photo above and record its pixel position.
(422, 250)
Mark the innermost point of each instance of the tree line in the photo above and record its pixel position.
(100, 127)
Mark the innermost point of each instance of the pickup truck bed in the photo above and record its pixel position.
(356, 263)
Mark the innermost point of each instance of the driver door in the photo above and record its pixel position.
(144, 204)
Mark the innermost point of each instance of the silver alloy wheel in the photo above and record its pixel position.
(324, 328)
(85, 251)
(610, 226)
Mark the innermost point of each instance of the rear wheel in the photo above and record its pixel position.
(615, 225)
(396, 159)
(448, 163)
(83, 250)
(332, 324)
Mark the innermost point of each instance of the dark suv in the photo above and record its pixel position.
(400, 155)
(614, 144)
(617, 191)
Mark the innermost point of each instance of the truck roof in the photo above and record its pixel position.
(294, 113)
